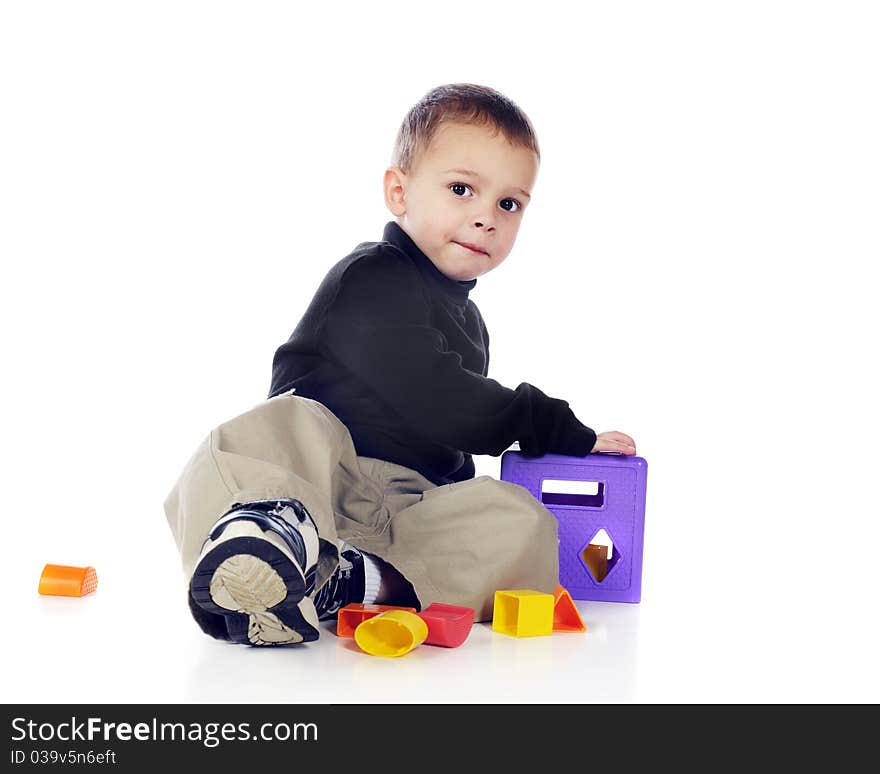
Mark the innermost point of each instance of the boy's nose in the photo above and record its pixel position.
(482, 224)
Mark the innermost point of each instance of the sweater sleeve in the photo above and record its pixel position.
(378, 328)
(485, 332)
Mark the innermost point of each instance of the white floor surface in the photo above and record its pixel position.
(702, 633)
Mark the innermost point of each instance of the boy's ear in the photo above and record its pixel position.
(394, 185)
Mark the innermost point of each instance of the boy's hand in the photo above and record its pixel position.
(612, 441)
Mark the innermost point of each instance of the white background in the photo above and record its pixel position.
(697, 269)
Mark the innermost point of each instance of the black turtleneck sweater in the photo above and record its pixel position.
(400, 354)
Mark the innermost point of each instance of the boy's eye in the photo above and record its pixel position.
(509, 205)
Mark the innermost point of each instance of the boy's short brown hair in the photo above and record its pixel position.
(466, 103)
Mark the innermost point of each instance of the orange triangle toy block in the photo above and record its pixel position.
(566, 617)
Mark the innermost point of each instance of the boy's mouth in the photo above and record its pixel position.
(472, 248)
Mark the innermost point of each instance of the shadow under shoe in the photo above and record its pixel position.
(255, 574)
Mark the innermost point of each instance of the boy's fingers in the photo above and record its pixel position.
(622, 438)
(615, 441)
(628, 445)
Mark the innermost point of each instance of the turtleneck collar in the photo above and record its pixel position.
(394, 234)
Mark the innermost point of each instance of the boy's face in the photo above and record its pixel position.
(469, 187)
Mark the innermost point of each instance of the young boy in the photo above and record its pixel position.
(354, 480)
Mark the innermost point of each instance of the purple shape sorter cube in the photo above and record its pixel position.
(587, 495)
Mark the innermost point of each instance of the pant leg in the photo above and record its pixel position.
(456, 544)
(460, 543)
(284, 447)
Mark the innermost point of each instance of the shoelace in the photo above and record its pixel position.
(337, 591)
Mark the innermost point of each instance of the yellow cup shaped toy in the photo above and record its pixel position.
(392, 633)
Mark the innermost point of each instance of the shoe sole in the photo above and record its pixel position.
(256, 585)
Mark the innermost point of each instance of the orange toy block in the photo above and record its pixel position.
(566, 617)
(596, 557)
(63, 581)
(353, 615)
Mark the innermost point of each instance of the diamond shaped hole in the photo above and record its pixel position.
(600, 556)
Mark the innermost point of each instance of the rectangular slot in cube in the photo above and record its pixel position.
(587, 494)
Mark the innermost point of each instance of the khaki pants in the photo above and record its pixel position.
(455, 544)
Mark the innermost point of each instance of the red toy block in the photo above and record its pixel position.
(448, 625)
(351, 616)
(566, 617)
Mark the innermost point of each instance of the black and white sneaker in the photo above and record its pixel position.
(346, 585)
(255, 575)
